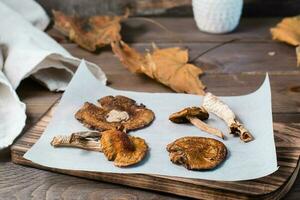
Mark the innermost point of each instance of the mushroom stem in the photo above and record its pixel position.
(205, 127)
(84, 140)
(214, 105)
(238, 128)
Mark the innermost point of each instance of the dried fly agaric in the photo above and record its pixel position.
(195, 115)
(123, 149)
(117, 146)
(214, 105)
(90, 33)
(117, 112)
(197, 153)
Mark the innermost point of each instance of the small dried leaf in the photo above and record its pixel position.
(90, 33)
(168, 66)
(288, 30)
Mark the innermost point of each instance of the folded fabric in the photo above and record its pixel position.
(25, 50)
(30, 11)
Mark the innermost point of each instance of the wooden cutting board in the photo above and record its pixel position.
(274, 186)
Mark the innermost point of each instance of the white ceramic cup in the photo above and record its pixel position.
(217, 16)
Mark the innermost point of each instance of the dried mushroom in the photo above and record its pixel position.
(117, 112)
(117, 146)
(124, 150)
(214, 105)
(195, 115)
(90, 33)
(84, 140)
(197, 153)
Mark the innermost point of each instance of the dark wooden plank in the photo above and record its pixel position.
(294, 193)
(137, 7)
(37, 99)
(167, 7)
(251, 58)
(231, 58)
(137, 30)
(250, 29)
(18, 182)
(257, 8)
(286, 117)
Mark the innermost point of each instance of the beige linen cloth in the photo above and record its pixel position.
(25, 50)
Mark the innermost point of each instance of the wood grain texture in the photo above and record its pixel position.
(136, 30)
(287, 137)
(37, 99)
(18, 182)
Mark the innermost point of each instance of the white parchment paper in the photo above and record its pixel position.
(244, 161)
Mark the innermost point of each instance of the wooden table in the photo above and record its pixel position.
(234, 64)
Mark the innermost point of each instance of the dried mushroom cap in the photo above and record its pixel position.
(181, 116)
(117, 112)
(197, 153)
(123, 149)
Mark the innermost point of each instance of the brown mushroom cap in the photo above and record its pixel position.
(197, 153)
(95, 117)
(123, 149)
(181, 116)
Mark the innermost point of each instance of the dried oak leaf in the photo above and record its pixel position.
(168, 66)
(117, 112)
(197, 153)
(288, 30)
(92, 32)
(123, 149)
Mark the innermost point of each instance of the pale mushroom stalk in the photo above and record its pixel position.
(205, 127)
(87, 140)
(214, 105)
(195, 115)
